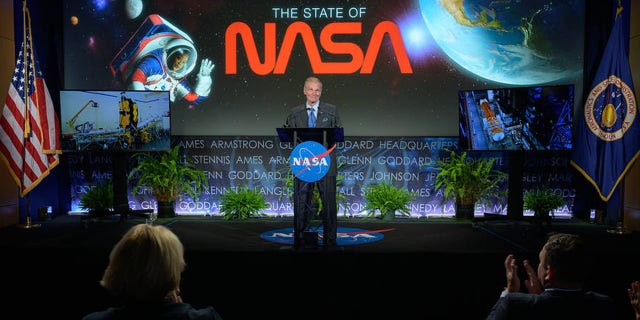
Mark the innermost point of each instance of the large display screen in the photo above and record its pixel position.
(115, 120)
(526, 118)
(393, 68)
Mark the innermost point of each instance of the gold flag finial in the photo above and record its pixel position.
(619, 8)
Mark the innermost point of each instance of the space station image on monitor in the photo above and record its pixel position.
(115, 120)
(525, 118)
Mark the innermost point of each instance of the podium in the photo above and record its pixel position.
(302, 190)
(325, 136)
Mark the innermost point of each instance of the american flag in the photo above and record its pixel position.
(29, 145)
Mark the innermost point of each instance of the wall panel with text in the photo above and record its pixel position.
(262, 163)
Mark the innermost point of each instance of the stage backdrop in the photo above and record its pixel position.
(393, 68)
(261, 163)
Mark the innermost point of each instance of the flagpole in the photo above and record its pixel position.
(620, 229)
(27, 124)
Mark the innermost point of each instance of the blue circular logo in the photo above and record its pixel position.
(309, 161)
(345, 236)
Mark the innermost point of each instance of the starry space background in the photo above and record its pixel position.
(383, 103)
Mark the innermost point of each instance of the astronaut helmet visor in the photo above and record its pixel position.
(180, 61)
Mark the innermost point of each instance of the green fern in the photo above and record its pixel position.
(541, 201)
(168, 175)
(468, 180)
(387, 199)
(242, 204)
(98, 200)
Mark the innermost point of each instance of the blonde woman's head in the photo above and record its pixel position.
(145, 265)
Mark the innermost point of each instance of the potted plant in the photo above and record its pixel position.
(541, 202)
(387, 199)
(242, 204)
(467, 181)
(168, 176)
(98, 200)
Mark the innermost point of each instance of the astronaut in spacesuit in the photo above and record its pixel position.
(167, 68)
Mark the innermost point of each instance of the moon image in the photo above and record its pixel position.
(133, 8)
(74, 20)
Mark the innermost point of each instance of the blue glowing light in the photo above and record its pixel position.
(416, 36)
(100, 4)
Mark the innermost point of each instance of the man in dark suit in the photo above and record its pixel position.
(556, 291)
(314, 113)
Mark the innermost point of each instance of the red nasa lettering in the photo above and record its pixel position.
(360, 61)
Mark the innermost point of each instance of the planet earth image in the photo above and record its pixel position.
(511, 42)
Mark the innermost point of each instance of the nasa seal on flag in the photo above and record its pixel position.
(607, 105)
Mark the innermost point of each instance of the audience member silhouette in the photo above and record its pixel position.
(144, 272)
(634, 297)
(556, 291)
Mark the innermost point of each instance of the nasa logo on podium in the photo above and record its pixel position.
(309, 161)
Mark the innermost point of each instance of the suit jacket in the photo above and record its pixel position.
(164, 310)
(554, 304)
(327, 117)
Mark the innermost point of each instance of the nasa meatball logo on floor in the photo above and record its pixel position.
(309, 161)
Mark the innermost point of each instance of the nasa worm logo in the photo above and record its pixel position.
(310, 161)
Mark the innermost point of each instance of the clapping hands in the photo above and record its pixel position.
(532, 284)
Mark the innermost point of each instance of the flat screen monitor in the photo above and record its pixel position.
(115, 120)
(517, 118)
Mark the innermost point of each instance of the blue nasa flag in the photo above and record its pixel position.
(608, 132)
